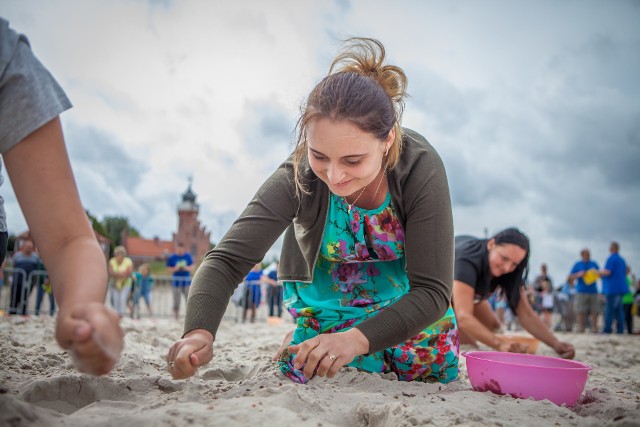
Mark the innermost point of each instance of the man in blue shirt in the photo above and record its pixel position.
(180, 265)
(614, 286)
(253, 292)
(585, 275)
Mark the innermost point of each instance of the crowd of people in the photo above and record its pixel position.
(127, 286)
(28, 274)
(259, 285)
(590, 298)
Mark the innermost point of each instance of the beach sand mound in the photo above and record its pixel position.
(242, 386)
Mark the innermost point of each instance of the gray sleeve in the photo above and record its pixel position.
(29, 95)
(429, 259)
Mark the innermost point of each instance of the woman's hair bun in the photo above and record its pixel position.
(366, 56)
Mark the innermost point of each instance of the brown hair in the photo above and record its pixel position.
(360, 89)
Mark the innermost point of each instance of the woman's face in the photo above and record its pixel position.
(504, 258)
(343, 156)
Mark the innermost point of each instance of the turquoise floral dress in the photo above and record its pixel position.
(360, 271)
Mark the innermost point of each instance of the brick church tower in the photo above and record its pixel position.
(191, 234)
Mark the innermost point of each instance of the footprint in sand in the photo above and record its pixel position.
(236, 373)
(393, 414)
(67, 394)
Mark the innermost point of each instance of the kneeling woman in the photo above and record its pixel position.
(367, 257)
(481, 267)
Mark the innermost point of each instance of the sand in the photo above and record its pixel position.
(242, 386)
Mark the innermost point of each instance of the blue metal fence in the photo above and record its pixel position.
(30, 294)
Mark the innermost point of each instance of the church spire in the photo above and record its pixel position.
(188, 199)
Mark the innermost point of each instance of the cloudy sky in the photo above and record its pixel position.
(533, 106)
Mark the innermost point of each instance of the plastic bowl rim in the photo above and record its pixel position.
(472, 355)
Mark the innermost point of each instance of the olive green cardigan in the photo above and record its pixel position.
(420, 195)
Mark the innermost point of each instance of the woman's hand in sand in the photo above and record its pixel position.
(191, 352)
(285, 343)
(92, 333)
(565, 350)
(325, 354)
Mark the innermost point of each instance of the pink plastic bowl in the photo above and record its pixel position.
(527, 375)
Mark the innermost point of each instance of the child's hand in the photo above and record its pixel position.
(191, 352)
(92, 333)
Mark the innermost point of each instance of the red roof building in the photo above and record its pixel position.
(144, 250)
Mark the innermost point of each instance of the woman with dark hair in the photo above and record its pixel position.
(367, 258)
(483, 265)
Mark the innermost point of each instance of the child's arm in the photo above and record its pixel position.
(43, 181)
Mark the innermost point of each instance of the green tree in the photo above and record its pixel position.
(97, 225)
(114, 226)
(11, 243)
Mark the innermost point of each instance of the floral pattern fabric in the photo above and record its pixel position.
(360, 270)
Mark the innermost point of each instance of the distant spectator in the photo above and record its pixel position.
(238, 296)
(500, 304)
(25, 261)
(585, 274)
(253, 293)
(142, 283)
(538, 287)
(627, 300)
(120, 270)
(564, 305)
(274, 292)
(43, 287)
(180, 265)
(614, 286)
(636, 298)
(547, 297)
(3, 265)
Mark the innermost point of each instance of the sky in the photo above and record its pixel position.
(534, 107)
